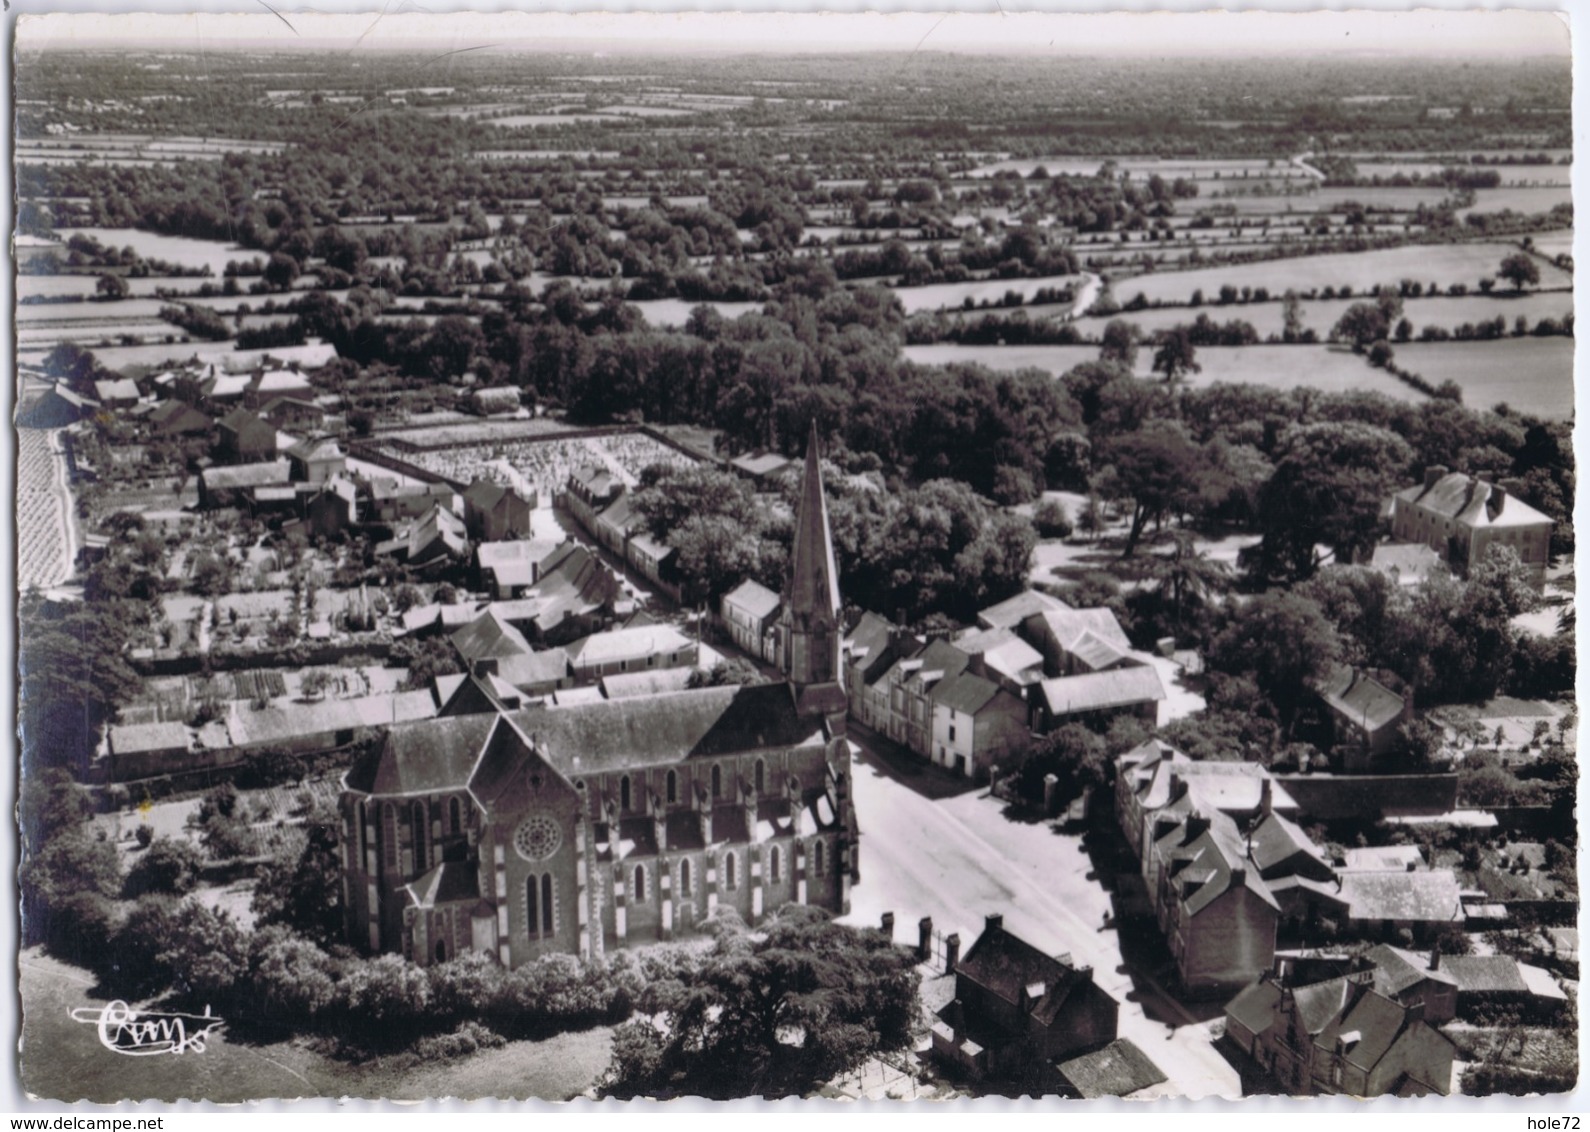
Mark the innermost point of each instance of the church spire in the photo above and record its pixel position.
(809, 628)
(814, 580)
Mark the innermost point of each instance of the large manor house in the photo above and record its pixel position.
(578, 828)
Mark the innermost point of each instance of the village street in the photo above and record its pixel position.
(957, 858)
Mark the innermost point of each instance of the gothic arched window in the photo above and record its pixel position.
(640, 883)
(389, 840)
(673, 787)
(455, 817)
(775, 865)
(623, 793)
(728, 871)
(684, 880)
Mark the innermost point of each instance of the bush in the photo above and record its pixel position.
(1051, 521)
(168, 866)
(145, 835)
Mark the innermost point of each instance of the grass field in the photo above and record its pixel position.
(1320, 315)
(951, 296)
(1325, 368)
(1533, 375)
(1444, 264)
(61, 1059)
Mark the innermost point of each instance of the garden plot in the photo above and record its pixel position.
(44, 532)
(1442, 264)
(544, 466)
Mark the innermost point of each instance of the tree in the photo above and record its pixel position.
(1361, 324)
(1075, 755)
(1330, 480)
(281, 271)
(1050, 520)
(1176, 355)
(112, 288)
(771, 1016)
(1519, 269)
(300, 886)
(1189, 574)
(1158, 468)
(425, 659)
(1501, 571)
(1119, 342)
(1283, 643)
(170, 865)
(1292, 317)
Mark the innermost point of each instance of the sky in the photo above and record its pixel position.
(1424, 32)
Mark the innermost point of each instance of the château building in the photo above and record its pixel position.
(526, 831)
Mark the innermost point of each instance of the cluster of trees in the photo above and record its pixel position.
(938, 549)
(773, 1015)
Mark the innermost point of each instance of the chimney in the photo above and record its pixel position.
(1433, 473)
(1239, 876)
(1084, 973)
(1435, 956)
(1266, 797)
(1498, 496)
(993, 922)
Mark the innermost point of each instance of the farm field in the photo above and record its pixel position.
(1525, 199)
(1329, 369)
(1533, 375)
(1320, 315)
(951, 296)
(213, 254)
(1444, 264)
(675, 312)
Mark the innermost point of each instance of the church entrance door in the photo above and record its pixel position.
(483, 932)
(687, 917)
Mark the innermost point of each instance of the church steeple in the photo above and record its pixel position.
(809, 626)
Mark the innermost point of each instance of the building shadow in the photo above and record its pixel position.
(892, 760)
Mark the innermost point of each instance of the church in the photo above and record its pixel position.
(575, 829)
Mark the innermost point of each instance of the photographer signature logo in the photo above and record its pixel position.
(122, 1029)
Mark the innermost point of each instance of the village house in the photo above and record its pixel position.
(976, 722)
(1367, 713)
(870, 652)
(243, 438)
(1460, 517)
(1017, 1011)
(433, 540)
(1216, 912)
(590, 491)
(294, 413)
(631, 650)
(231, 486)
(578, 829)
(116, 393)
(507, 569)
(1340, 1035)
(333, 509)
(394, 500)
(657, 562)
(749, 611)
(178, 418)
(494, 512)
(317, 460)
(1120, 1069)
(268, 385)
(1096, 698)
(56, 407)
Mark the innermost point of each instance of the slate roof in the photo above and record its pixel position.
(755, 599)
(245, 475)
(1468, 501)
(1409, 562)
(1007, 965)
(139, 738)
(651, 683)
(1014, 610)
(420, 758)
(534, 669)
(1319, 1003)
(868, 644)
(116, 389)
(1383, 859)
(1485, 974)
(813, 585)
(1094, 691)
(178, 416)
(324, 448)
(1070, 626)
(284, 722)
(489, 636)
(485, 494)
(1361, 698)
(967, 693)
(766, 463)
(642, 642)
(1431, 896)
(1376, 1021)
(1275, 839)
(448, 883)
(1396, 970)
(1117, 1070)
(1255, 1005)
(1202, 866)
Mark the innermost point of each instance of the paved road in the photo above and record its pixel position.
(959, 858)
